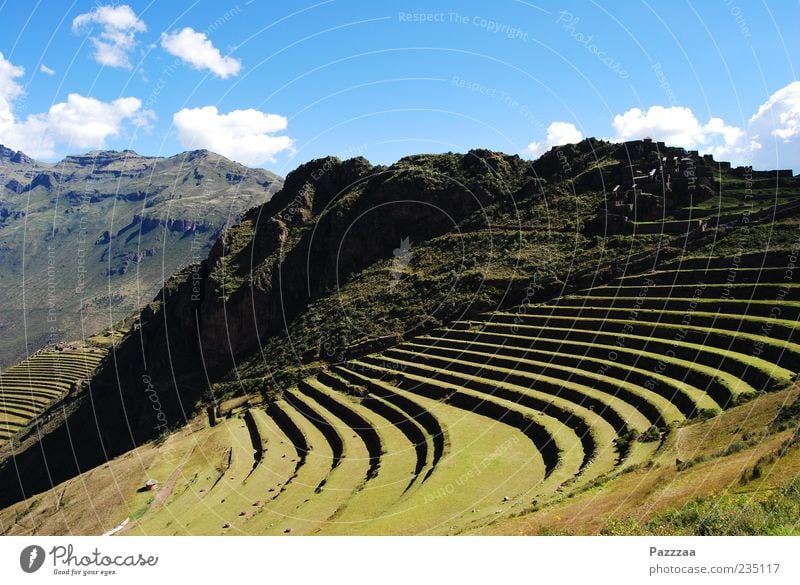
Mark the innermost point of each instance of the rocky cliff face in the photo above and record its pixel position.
(332, 219)
(106, 220)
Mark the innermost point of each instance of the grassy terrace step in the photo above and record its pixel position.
(776, 350)
(44, 373)
(19, 410)
(689, 400)
(73, 361)
(599, 418)
(558, 443)
(776, 328)
(355, 458)
(258, 437)
(776, 259)
(278, 464)
(353, 468)
(397, 462)
(10, 419)
(484, 462)
(789, 311)
(277, 411)
(710, 350)
(335, 442)
(689, 276)
(53, 367)
(29, 395)
(722, 387)
(541, 389)
(314, 389)
(397, 417)
(216, 479)
(398, 456)
(658, 410)
(27, 388)
(418, 413)
(782, 292)
(27, 381)
(43, 377)
(305, 503)
(513, 411)
(25, 401)
(367, 501)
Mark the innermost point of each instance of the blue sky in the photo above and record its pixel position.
(275, 84)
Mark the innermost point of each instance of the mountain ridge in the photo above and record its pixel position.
(80, 238)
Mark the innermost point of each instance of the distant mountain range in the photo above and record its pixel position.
(88, 240)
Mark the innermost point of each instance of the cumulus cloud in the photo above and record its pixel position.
(558, 133)
(9, 88)
(774, 130)
(676, 126)
(80, 122)
(247, 136)
(771, 138)
(117, 36)
(197, 50)
(46, 70)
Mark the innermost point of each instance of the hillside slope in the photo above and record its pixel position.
(350, 258)
(87, 241)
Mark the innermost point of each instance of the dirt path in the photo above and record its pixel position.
(160, 497)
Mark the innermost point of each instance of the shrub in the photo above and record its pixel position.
(725, 515)
(651, 434)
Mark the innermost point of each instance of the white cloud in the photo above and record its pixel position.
(771, 138)
(677, 126)
(246, 136)
(46, 70)
(80, 122)
(774, 129)
(197, 50)
(9, 89)
(558, 133)
(118, 35)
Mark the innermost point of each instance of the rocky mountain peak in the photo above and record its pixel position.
(14, 156)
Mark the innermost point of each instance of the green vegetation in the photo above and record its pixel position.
(492, 349)
(29, 388)
(729, 514)
(102, 231)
